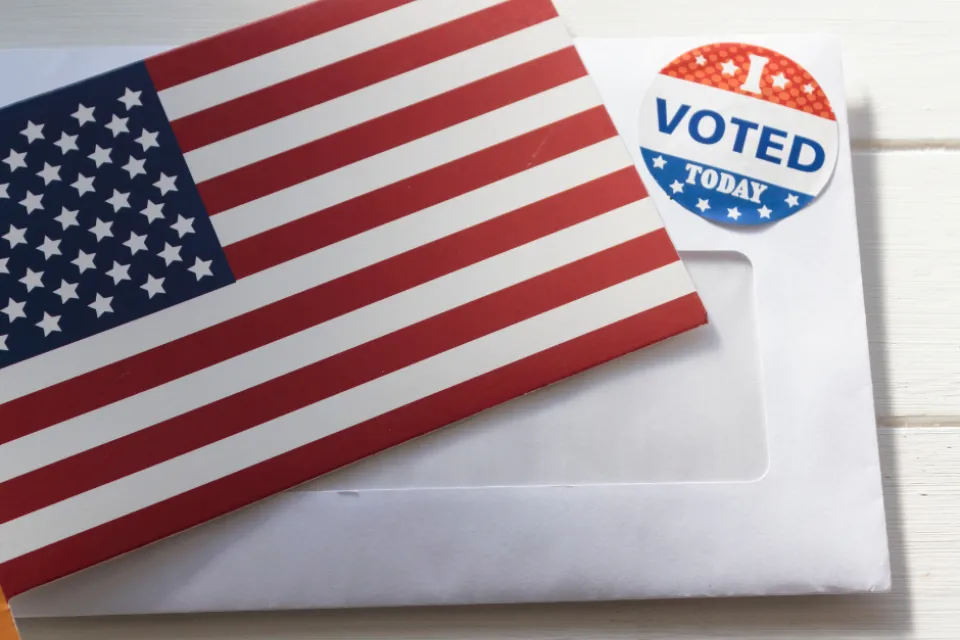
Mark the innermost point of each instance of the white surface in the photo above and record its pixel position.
(899, 60)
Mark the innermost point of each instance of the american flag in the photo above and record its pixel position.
(246, 262)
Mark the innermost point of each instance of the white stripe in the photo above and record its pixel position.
(207, 464)
(318, 51)
(327, 339)
(325, 264)
(721, 154)
(376, 100)
(429, 152)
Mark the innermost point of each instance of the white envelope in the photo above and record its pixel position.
(736, 459)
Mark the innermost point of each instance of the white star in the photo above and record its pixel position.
(49, 173)
(733, 213)
(201, 268)
(808, 88)
(135, 167)
(702, 204)
(130, 99)
(153, 286)
(659, 162)
(119, 272)
(701, 61)
(49, 248)
(102, 305)
(83, 185)
(148, 139)
(119, 201)
(67, 218)
(165, 183)
(3, 190)
(3, 265)
(183, 226)
(67, 291)
(49, 324)
(15, 236)
(136, 243)
(170, 253)
(102, 229)
(84, 260)
(14, 310)
(117, 125)
(3, 343)
(33, 132)
(792, 200)
(66, 143)
(33, 279)
(32, 202)
(730, 68)
(100, 156)
(676, 187)
(16, 160)
(764, 211)
(153, 211)
(780, 81)
(84, 115)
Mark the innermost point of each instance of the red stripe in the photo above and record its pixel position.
(205, 348)
(282, 472)
(427, 189)
(321, 380)
(252, 40)
(338, 79)
(375, 136)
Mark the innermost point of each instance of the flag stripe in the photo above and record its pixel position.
(405, 161)
(252, 40)
(254, 483)
(255, 73)
(282, 435)
(294, 130)
(373, 137)
(277, 339)
(370, 68)
(368, 361)
(446, 182)
(300, 274)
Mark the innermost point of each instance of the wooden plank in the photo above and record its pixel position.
(909, 234)
(922, 480)
(899, 64)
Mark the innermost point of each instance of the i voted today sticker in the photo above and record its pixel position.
(738, 134)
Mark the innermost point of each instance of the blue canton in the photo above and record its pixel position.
(100, 221)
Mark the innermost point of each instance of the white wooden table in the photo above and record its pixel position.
(902, 66)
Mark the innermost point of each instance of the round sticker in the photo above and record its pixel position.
(738, 134)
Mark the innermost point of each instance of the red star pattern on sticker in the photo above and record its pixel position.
(705, 66)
